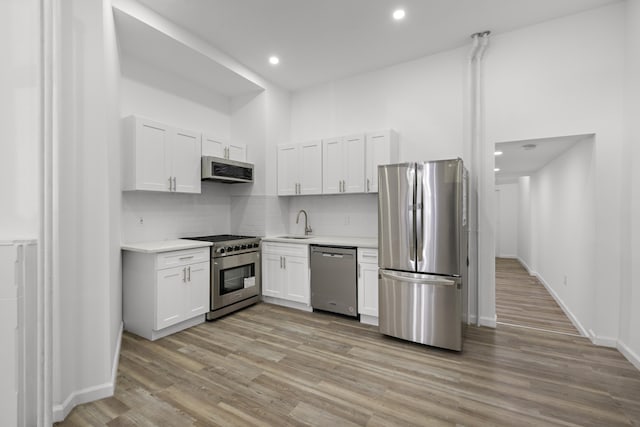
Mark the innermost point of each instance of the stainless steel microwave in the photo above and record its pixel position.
(225, 170)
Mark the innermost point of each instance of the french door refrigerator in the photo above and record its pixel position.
(422, 244)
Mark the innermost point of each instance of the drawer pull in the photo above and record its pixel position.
(182, 258)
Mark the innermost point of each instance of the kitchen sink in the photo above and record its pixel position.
(295, 237)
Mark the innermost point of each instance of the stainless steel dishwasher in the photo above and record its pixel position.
(334, 279)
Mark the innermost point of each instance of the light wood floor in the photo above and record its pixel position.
(272, 366)
(523, 301)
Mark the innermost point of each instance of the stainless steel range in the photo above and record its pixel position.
(235, 273)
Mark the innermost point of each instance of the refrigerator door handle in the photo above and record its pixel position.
(419, 216)
(422, 279)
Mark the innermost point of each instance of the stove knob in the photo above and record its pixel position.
(255, 245)
(220, 250)
(243, 247)
(229, 248)
(237, 248)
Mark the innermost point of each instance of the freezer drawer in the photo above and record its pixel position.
(421, 308)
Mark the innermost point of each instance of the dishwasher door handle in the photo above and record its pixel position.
(333, 255)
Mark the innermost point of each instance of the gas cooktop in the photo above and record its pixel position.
(221, 238)
(230, 244)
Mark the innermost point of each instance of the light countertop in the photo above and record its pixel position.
(361, 242)
(165, 246)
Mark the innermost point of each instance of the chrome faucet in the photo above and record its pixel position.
(307, 227)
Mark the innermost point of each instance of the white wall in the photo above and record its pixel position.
(173, 215)
(524, 222)
(507, 218)
(336, 215)
(565, 77)
(140, 98)
(20, 112)
(629, 341)
(113, 130)
(563, 198)
(166, 216)
(263, 122)
(86, 296)
(422, 100)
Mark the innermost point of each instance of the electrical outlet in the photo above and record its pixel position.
(566, 280)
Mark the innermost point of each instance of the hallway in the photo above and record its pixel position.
(521, 300)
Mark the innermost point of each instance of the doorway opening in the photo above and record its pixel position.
(545, 228)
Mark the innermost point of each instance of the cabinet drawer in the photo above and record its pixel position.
(183, 257)
(369, 256)
(300, 250)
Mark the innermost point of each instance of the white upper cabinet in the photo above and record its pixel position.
(347, 164)
(343, 164)
(185, 159)
(158, 157)
(287, 169)
(381, 149)
(216, 147)
(300, 169)
(310, 168)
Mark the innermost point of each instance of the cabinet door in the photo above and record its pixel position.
(213, 146)
(152, 166)
(332, 165)
(272, 275)
(198, 285)
(237, 152)
(296, 270)
(287, 169)
(368, 289)
(310, 172)
(378, 151)
(185, 156)
(171, 296)
(353, 171)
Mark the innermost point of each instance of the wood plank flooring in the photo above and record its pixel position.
(522, 300)
(272, 366)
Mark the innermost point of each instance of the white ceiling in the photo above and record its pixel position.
(322, 40)
(515, 161)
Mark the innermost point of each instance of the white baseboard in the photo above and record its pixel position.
(369, 320)
(602, 341)
(583, 331)
(526, 266)
(629, 354)
(508, 256)
(89, 394)
(489, 322)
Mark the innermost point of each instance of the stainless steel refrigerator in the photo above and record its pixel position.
(422, 251)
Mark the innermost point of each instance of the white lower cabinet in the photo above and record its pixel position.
(164, 292)
(285, 273)
(368, 285)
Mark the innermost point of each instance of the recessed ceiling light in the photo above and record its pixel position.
(529, 146)
(496, 169)
(274, 60)
(498, 153)
(398, 14)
